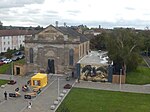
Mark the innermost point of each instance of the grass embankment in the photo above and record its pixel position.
(89, 100)
(2, 82)
(4, 68)
(140, 76)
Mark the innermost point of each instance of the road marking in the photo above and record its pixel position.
(2, 102)
(45, 89)
(39, 94)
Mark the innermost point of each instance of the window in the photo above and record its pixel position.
(4, 48)
(71, 57)
(8, 42)
(83, 48)
(4, 43)
(31, 55)
(80, 51)
(36, 82)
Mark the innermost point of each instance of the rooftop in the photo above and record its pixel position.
(72, 33)
(16, 32)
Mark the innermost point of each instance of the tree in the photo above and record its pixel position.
(146, 36)
(98, 42)
(123, 48)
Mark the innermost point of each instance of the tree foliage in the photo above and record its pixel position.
(98, 42)
(146, 35)
(123, 47)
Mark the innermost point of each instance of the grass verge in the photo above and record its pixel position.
(140, 76)
(4, 68)
(89, 100)
(2, 82)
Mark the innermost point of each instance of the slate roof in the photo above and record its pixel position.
(16, 32)
(72, 33)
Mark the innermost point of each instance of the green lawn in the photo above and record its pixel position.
(89, 100)
(3, 82)
(139, 76)
(4, 68)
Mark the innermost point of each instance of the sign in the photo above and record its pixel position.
(27, 96)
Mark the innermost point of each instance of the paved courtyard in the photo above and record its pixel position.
(41, 103)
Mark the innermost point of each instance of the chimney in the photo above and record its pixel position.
(56, 23)
(99, 26)
(65, 25)
(1, 24)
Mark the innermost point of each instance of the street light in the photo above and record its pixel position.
(120, 78)
(12, 71)
(57, 81)
(58, 85)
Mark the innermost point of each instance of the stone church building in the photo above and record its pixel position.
(55, 49)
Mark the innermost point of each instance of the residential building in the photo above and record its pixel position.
(12, 39)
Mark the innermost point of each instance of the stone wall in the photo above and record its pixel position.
(50, 44)
(22, 69)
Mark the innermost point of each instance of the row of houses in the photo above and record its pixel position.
(12, 39)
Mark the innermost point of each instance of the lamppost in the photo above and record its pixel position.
(120, 78)
(58, 85)
(58, 75)
(12, 71)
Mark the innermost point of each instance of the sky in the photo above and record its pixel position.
(92, 13)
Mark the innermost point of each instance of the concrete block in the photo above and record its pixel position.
(56, 102)
(61, 94)
(2, 86)
(52, 107)
(64, 91)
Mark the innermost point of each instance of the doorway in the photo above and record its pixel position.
(51, 66)
(17, 70)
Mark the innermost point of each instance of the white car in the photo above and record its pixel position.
(7, 61)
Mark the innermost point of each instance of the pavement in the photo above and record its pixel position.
(43, 101)
(114, 87)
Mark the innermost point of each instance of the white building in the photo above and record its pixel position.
(12, 39)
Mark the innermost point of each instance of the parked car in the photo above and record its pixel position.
(21, 56)
(1, 63)
(17, 53)
(2, 59)
(15, 58)
(67, 86)
(7, 61)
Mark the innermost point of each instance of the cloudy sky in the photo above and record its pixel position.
(107, 13)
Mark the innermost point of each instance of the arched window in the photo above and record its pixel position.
(31, 55)
(71, 57)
